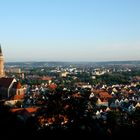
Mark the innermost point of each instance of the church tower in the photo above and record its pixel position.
(2, 73)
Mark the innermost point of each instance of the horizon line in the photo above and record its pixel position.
(73, 61)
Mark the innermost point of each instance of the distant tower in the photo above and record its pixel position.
(2, 73)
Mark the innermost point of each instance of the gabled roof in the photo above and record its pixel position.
(137, 105)
(29, 110)
(105, 95)
(6, 82)
(32, 109)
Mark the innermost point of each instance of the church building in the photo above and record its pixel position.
(10, 88)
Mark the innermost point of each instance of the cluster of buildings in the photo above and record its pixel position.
(65, 107)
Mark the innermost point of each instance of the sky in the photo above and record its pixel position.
(70, 30)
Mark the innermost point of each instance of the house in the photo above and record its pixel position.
(18, 90)
(9, 87)
(47, 79)
(24, 113)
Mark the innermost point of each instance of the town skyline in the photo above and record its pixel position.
(70, 30)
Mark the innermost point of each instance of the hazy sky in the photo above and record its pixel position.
(70, 30)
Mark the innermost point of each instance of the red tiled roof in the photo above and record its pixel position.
(32, 109)
(17, 85)
(53, 86)
(29, 110)
(97, 91)
(16, 110)
(105, 95)
(18, 97)
(46, 78)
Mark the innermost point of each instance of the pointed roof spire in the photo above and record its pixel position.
(0, 50)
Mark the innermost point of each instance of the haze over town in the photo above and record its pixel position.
(70, 30)
(69, 68)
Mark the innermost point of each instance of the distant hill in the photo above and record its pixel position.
(55, 63)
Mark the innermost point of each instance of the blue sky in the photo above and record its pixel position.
(70, 30)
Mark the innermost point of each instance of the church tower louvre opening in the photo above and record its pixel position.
(2, 72)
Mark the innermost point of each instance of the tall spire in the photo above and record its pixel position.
(0, 50)
(2, 73)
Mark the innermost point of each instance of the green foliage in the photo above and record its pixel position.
(136, 116)
(111, 79)
(113, 117)
(19, 104)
